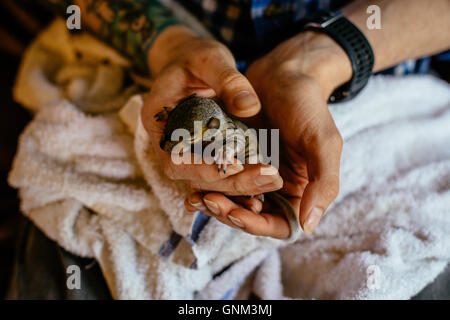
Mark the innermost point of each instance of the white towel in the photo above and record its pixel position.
(92, 184)
(388, 233)
(88, 184)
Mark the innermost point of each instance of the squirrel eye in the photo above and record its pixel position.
(213, 123)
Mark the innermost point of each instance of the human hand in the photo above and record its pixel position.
(294, 82)
(182, 64)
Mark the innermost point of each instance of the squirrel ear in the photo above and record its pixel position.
(213, 123)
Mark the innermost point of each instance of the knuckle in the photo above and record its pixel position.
(332, 188)
(209, 51)
(206, 54)
(236, 186)
(334, 139)
(326, 138)
(338, 139)
(229, 76)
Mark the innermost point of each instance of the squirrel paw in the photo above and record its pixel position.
(222, 159)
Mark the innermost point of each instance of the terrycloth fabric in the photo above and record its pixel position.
(92, 184)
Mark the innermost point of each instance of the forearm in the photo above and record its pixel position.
(410, 28)
(129, 26)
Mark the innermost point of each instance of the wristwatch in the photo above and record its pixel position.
(354, 43)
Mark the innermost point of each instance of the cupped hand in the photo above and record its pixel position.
(293, 83)
(181, 64)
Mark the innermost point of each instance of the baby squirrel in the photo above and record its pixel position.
(214, 122)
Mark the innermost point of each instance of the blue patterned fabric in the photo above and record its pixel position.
(245, 26)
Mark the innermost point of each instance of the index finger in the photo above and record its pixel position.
(237, 216)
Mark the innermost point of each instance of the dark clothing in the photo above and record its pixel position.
(40, 271)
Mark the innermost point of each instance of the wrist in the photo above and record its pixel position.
(318, 56)
(167, 47)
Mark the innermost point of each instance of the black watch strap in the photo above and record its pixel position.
(354, 43)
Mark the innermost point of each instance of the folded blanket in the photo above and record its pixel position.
(90, 181)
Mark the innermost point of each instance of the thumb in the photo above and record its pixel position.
(233, 88)
(323, 188)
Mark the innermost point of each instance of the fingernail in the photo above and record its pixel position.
(237, 222)
(198, 205)
(268, 171)
(212, 206)
(268, 183)
(313, 220)
(191, 212)
(233, 169)
(245, 100)
(264, 180)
